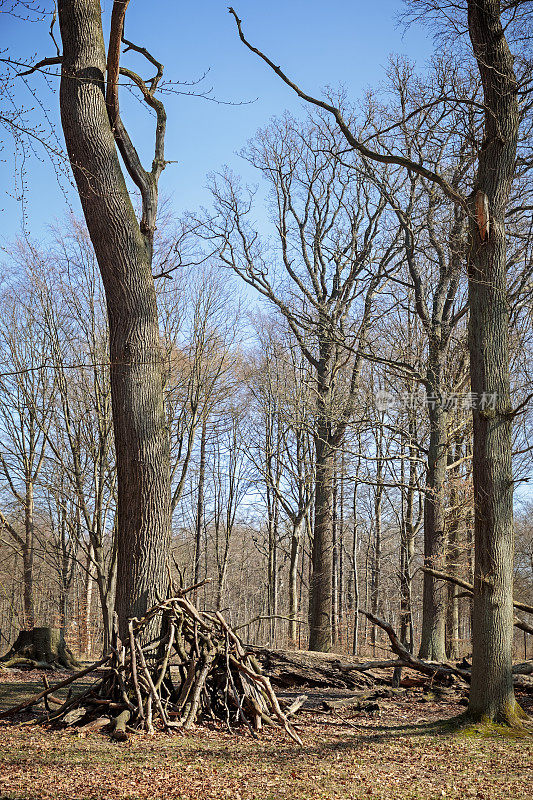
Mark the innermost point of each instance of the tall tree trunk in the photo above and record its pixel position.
(293, 576)
(375, 589)
(27, 557)
(124, 255)
(106, 580)
(273, 568)
(340, 550)
(320, 595)
(433, 645)
(491, 691)
(376, 559)
(335, 562)
(355, 568)
(453, 555)
(452, 611)
(200, 508)
(85, 639)
(221, 583)
(407, 552)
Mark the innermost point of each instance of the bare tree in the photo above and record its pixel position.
(123, 245)
(327, 217)
(27, 397)
(280, 383)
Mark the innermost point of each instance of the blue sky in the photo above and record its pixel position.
(319, 43)
(340, 42)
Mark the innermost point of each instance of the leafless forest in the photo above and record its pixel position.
(240, 390)
(296, 419)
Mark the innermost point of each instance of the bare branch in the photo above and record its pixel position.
(400, 161)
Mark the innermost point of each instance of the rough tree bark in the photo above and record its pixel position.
(27, 556)
(320, 593)
(200, 509)
(123, 249)
(492, 694)
(432, 646)
(320, 590)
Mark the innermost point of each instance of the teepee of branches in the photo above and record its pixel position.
(197, 669)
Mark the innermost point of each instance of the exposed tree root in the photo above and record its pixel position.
(40, 648)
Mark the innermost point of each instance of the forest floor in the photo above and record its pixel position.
(404, 753)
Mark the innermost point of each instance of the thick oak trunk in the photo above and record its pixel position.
(492, 695)
(124, 257)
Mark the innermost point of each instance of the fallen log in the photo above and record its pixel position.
(359, 701)
(431, 669)
(525, 668)
(287, 668)
(435, 670)
(119, 732)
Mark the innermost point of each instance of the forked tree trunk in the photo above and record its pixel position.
(124, 255)
(491, 693)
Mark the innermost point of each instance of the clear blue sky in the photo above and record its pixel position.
(319, 43)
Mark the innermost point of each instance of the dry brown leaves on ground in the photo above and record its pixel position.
(346, 755)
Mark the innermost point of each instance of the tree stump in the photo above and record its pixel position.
(40, 648)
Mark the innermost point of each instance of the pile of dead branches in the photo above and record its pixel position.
(198, 669)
